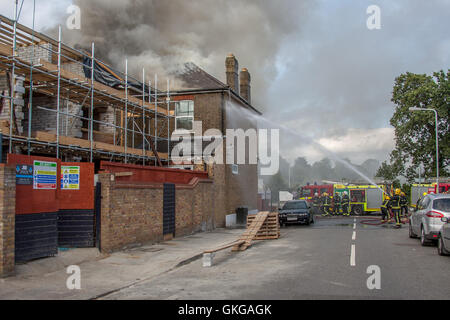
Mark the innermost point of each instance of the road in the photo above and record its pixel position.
(328, 260)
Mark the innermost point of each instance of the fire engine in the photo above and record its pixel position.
(417, 191)
(363, 198)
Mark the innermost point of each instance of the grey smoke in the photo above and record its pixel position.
(161, 35)
(315, 66)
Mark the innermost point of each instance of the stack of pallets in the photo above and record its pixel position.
(262, 226)
(270, 229)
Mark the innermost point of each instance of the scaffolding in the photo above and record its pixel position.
(142, 114)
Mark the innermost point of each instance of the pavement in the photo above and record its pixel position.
(327, 260)
(103, 274)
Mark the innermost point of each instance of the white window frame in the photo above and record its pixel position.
(185, 117)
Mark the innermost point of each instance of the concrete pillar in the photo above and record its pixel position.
(7, 219)
(232, 72)
(208, 259)
(245, 86)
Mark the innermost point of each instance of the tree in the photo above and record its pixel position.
(276, 184)
(301, 172)
(415, 131)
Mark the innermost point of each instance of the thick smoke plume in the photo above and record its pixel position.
(162, 35)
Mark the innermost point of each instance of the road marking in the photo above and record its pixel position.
(354, 236)
(354, 226)
(353, 256)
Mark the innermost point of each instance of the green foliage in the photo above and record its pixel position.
(276, 183)
(406, 188)
(415, 131)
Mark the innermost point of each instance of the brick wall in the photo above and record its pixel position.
(231, 191)
(44, 120)
(18, 103)
(41, 51)
(7, 219)
(132, 213)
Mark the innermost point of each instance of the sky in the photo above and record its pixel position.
(316, 67)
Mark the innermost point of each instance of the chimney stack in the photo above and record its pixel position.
(232, 69)
(245, 81)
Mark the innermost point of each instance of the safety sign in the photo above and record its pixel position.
(44, 175)
(70, 178)
(24, 174)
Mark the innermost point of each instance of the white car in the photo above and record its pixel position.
(426, 221)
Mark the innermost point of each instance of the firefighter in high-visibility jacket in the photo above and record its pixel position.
(396, 207)
(337, 204)
(385, 209)
(316, 203)
(420, 199)
(404, 204)
(326, 202)
(345, 204)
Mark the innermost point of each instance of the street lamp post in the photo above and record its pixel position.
(437, 141)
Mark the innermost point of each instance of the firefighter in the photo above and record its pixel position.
(337, 204)
(404, 204)
(385, 209)
(316, 203)
(326, 204)
(420, 199)
(345, 203)
(394, 203)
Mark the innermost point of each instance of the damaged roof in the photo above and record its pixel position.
(195, 79)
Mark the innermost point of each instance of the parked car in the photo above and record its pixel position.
(426, 221)
(444, 238)
(295, 212)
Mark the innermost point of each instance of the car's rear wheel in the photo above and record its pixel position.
(423, 240)
(441, 248)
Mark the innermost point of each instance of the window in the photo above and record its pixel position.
(358, 195)
(306, 192)
(293, 205)
(184, 113)
(425, 202)
(442, 204)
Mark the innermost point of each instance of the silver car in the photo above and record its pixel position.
(426, 221)
(444, 238)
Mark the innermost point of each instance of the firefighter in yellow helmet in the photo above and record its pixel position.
(420, 199)
(326, 202)
(385, 209)
(396, 207)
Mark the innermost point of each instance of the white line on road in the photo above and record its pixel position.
(354, 236)
(353, 256)
(354, 226)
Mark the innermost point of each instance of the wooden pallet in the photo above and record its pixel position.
(254, 225)
(269, 230)
(262, 226)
